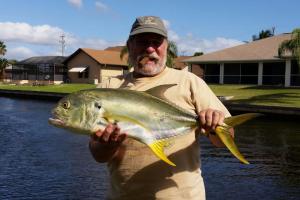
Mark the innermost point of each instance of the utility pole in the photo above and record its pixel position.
(62, 42)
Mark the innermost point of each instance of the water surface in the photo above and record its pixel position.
(38, 161)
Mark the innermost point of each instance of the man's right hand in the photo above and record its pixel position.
(104, 144)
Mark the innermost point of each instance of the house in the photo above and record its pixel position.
(255, 62)
(180, 64)
(7, 74)
(93, 66)
(39, 69)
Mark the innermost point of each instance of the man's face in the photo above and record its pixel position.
(148, 53)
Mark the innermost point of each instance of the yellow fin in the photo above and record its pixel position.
(158, 148)
(239, 119)
(224, 134)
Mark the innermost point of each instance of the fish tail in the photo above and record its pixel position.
(239, 119)
(224, 133)
(225, 136)
(158, 148)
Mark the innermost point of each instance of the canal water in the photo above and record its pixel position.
(38, 161)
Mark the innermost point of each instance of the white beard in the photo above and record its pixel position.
(150, 69)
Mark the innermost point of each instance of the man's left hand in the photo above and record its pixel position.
(209, 119)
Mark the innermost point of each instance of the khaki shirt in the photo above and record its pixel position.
(137, 173)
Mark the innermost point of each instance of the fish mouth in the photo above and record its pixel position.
(56, 122)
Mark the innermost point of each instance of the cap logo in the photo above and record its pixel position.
(149, 20)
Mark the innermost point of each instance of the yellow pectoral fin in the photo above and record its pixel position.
(224, 135)
(158, 148)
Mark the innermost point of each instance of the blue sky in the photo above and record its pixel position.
(32, 27)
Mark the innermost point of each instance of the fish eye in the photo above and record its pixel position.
(98, 105)
(66, 104)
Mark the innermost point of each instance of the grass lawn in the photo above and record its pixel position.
(248, 94)
(260, 95)
(63, 88)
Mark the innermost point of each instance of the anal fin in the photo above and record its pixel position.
(158, 148)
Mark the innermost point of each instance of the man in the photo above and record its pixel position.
(135, 172)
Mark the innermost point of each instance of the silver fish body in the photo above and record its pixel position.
(144, 116)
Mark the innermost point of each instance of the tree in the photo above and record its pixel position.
(264, 34)
(292, 46)
(3, 61)
(2, 48)
(172, 53)
(198, 53)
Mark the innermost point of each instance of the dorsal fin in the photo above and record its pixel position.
(159, 91)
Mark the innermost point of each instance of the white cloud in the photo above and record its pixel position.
(76, 3)
(101, 6)
(189, 44)
(24, 40)
(166, 23)
(23, 32)
(20, 53)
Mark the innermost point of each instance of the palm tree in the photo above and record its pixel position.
(292, 46)
(264, 34)
(3, 61)
(198, 53)
(2, 48)
(172, 53)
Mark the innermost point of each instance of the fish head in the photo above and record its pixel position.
(80, 112)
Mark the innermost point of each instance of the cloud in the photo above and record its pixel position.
(20, 53)
(101, 6)
(23, 32)
(76, 3)
(189, 44)
(24, 40)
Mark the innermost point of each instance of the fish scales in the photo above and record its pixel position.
(144, 116)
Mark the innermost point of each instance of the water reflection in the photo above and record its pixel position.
(272, 145)
(39, 161)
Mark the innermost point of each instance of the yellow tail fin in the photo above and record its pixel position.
(239, 119)
(158, 148)
(224, 135)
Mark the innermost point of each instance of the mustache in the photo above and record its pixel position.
(145, 57)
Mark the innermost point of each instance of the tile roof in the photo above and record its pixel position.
(264, 49)
(115, 48)
(102, 56)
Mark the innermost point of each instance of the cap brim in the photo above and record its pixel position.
(148, 30)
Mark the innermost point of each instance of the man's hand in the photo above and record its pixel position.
(111, 135)
(104, 144)
(209, 119)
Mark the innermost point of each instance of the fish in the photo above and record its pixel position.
(146, 116)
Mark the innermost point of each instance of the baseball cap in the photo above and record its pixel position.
(148, 24)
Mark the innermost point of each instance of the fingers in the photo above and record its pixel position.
(210, 119)
(111, 134)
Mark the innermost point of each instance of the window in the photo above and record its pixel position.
(212, 73)
(249, 73)
(273, 73)
(84, 73)
(295, 73)
(232, 73)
